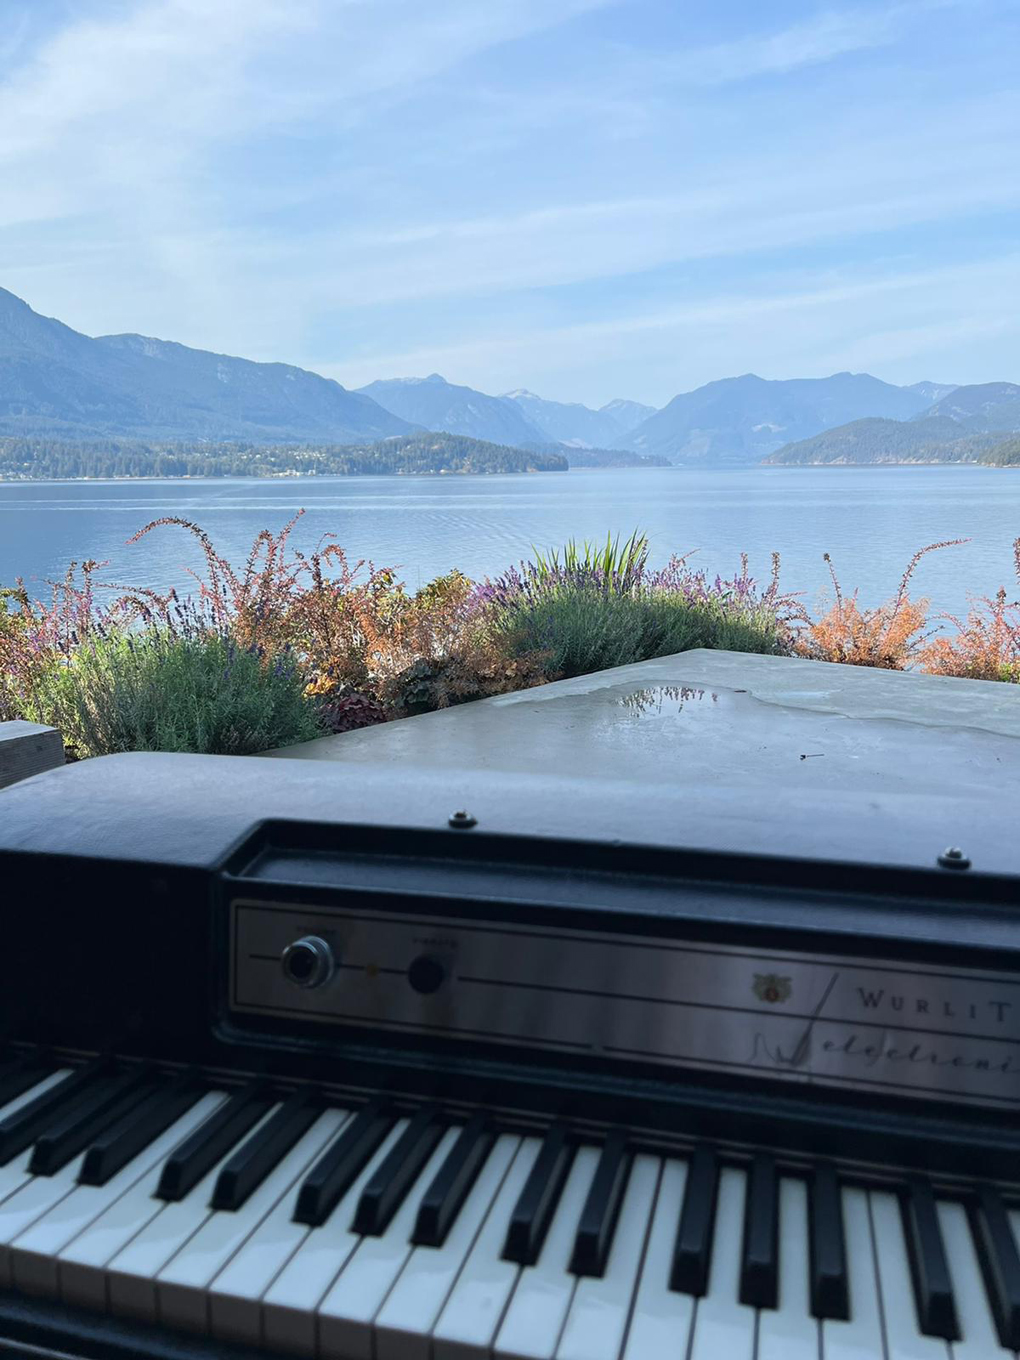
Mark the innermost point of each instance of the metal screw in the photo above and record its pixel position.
(954, 858)
(462, 820)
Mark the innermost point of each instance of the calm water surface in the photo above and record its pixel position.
(870, 520)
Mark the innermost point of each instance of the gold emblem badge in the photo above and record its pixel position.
(772, 988)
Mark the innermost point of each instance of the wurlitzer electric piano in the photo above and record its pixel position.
(379, 1063)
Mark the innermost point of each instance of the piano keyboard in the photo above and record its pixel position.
(288, 1223)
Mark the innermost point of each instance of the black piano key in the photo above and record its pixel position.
(759, 1264)
(442, 1200)
(202, 1149)
(602, 1208)
(20, 1129)
(692, 1252)
(338, 1166)
(20, 1075)
(1000, 1263)
(141, 1125)
(73, 1128)
(393, 1179)
(929, 1269)
(830, 1285)
(533, 1211)
(253, 1161)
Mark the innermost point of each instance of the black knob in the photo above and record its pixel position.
(426, 974)
(308, 962)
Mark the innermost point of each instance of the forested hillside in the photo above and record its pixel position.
(935, 439)
(34, 459)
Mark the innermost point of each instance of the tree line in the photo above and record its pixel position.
(32, 459)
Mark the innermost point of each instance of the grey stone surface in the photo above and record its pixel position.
(707, 719)
(26, 749)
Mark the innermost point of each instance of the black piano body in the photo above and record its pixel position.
(794, 991)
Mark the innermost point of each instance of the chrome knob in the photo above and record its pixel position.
(308, 962)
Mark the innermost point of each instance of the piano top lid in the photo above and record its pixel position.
(788, 757)
(188, 811)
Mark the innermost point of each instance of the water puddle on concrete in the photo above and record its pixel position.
(663, 701)
(731, 736)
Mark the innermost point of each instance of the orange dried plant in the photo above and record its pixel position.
(986, 645)
(889, 636)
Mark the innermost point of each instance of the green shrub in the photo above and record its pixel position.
(159, 691)
(580, 630)
(592, 607)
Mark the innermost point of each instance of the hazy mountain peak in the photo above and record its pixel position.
(440, 405)
(58, 382)
(570, 422)
(963, 426)
(11, 302)
(744, 418)
(981, 407)
(933, 391)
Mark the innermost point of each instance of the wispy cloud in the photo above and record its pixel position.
(677, 347)
(116, 123)
(748, 207)
(360, 183)
(825, 36)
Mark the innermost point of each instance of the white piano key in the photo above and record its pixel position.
(81, 1264)
(534, 1318)
(20, 1210)
(661, 1320)
(345, 1315)
(406, 1319)
(34, 1252)
(597, 1320)
(235, 1296)
(861, 1337)
(288, 1306)
(789, 1332)
(181, 1286)
(723, 1326)
(131, 1275)
(14, 1175)
(473, 1311)
(904, 1339)
(978, 1338)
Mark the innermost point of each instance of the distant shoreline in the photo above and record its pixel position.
(433, 476)
(297, 476)
(910, 462)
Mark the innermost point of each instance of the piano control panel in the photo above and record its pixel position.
(873, 1025)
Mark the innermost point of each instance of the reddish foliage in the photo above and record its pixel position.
(987, 643)
(889, 636)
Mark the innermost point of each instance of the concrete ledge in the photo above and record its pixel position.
(26, 749)
(707, 719)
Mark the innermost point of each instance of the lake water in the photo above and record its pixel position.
(870, 519)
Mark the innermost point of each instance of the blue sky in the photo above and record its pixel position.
(589, 198)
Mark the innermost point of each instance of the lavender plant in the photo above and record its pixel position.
(186, 688)
(591, 608)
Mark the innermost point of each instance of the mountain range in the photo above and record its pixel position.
(571, 424)
(731, 421)
(966, 425)
(434, 404)
(520, 417)
(58, 384)
(740, 420)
